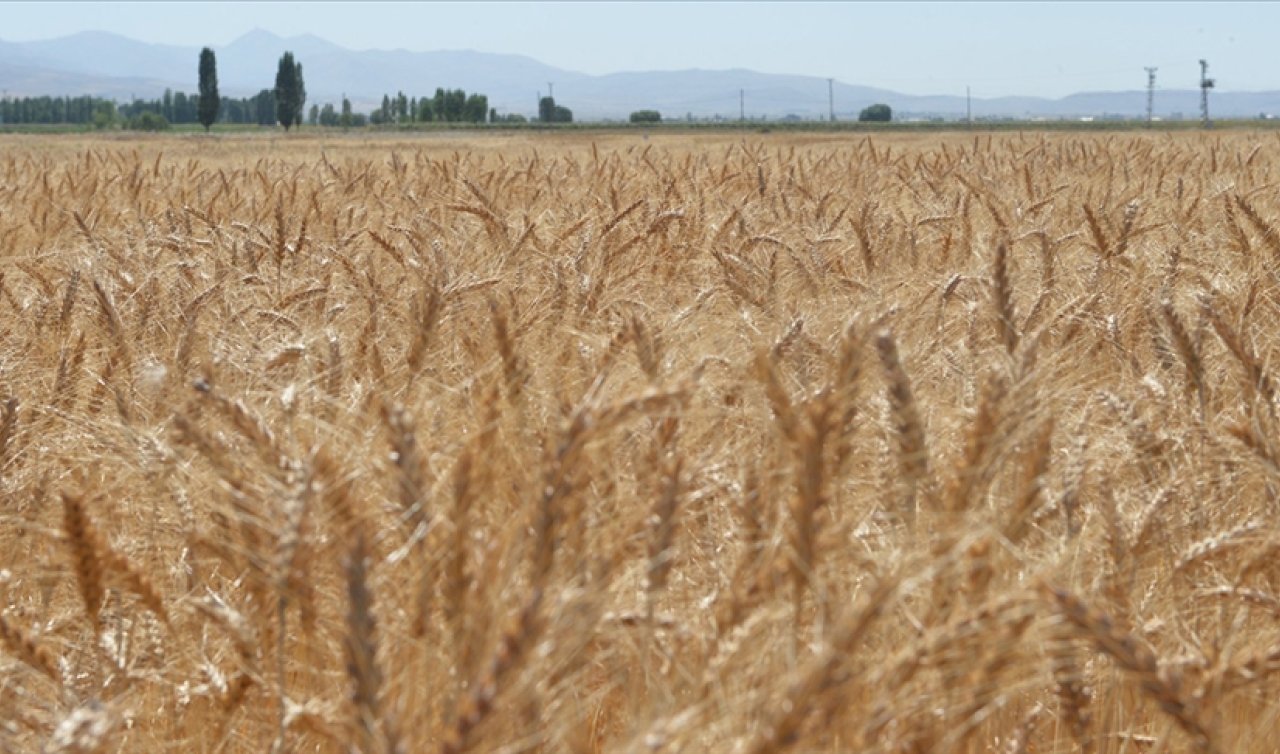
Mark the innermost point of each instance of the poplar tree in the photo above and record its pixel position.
(290, 92)
(209, 100)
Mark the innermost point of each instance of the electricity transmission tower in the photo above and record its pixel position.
(1151, 94)
(1206, 84)
(831, 99)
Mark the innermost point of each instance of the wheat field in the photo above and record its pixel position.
(589, 443)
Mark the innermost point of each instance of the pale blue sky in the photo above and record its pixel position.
(1001, 48)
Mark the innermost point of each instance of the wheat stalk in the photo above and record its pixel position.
(1162, 684)
(22, 646)
(913, 455)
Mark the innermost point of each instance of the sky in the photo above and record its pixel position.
(998, 48)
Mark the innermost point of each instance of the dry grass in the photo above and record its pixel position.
(705, 443)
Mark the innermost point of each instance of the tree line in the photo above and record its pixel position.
(56, 109)
(174, 107)
(446, 106)
(283, 104)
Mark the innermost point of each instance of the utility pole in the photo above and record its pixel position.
(831, 99)
(742, 104)
(551, 90)
(1151, 94)
(1206, 84)
(968, 107)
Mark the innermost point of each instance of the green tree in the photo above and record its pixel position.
(345, 118)
(290, 94)
(477, 106)
(877, 113)
(209, 100)
(104, 114)
(646, 116)
(455, 105)
(184, 110)
(302, 96)
(550, 112)
(148, 121)
(328, 116)
(438, 106)
(265, 107)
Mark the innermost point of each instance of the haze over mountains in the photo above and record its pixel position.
(114, 66)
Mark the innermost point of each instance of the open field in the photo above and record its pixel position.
(671, 126)
(590, 442)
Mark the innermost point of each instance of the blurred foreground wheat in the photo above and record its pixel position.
(885, 444)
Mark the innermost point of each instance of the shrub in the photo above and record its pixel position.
(646, 116)
(148, 121)
(878, 113)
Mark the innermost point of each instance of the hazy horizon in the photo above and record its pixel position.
(997, 49)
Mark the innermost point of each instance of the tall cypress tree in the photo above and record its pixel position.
(209, 100)
(302, 93)
(345, 118)
(289, 93)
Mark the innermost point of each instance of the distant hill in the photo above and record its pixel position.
(22, 80)
(114, 66)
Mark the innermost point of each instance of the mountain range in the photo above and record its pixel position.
(118, 67)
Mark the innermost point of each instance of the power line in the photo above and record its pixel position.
(1206, 84)
(1151, 93)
